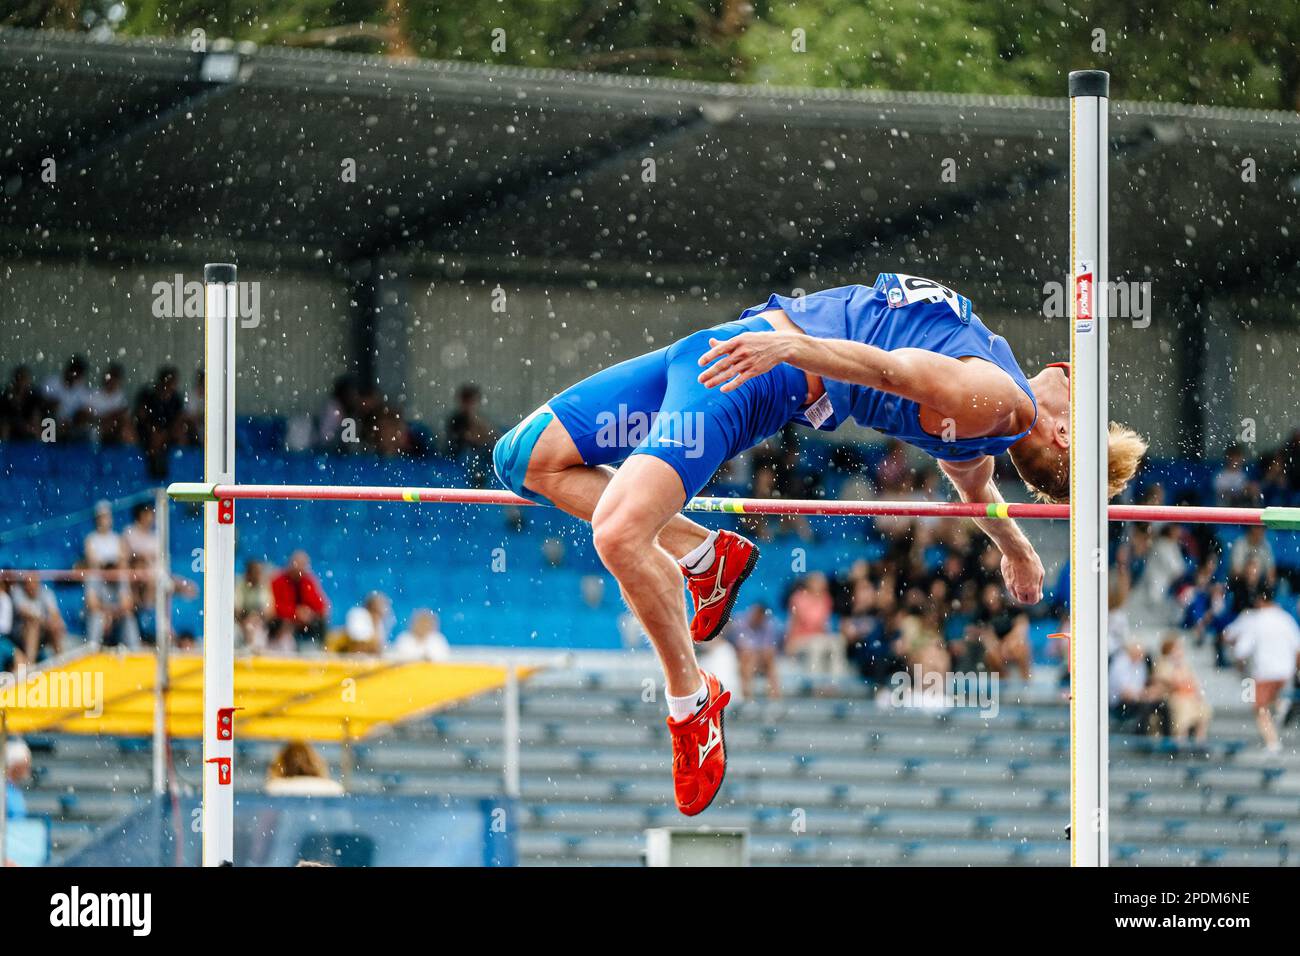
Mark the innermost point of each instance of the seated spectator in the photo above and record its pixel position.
(142, 587)
(1132, 695)
(254, 607)
(868, 642)
(757, 639)
(68, 397)
(192, 403)
(1273, 486)
(422, 640)
(298, 770)
(18, 771)
(1189, 711)
(110, 409)
(338, 413)
(1253, 545)
(367, 626)
(160, 422)
(391, 436)
(1265, 641)
(20, 407)
(140, 537)
(301, 608)
(1245, 586)
(1207, 607)
(103, 546)
(808, 628)
(1004, 632)
(470, 436)
(924, 653)
(1231, 484)
(11, 658)
(110, 611)
(38, 622)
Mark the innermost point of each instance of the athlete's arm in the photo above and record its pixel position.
(1021, 568)
(976, 395)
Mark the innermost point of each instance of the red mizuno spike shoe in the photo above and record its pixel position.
(699, 752)
(714, 592)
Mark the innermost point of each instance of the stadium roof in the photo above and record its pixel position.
(163, 152)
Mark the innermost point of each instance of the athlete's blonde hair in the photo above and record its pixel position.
(1046, 469)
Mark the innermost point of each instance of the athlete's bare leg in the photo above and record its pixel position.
(556, 471)
(640, 500)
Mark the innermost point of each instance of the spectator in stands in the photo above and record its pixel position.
(1004, 632)
(894, 470)
(254, 607)
(1189, 711)
(18, 771)
(1265, 641)
(298, 770)
(160, 420)
(757, 640)
(422, 640)
(922, 649)
(301, 608)
(110, 409)
(337, 423)
(367, 626)
(470, 436)
(808, 629)
(110, 611)
(68, 397)
(1232, 484)
(1253, 545)
(192, 415)
(1205, 606)
(102, 547)
(20, 407)
(143, 588)
(867, 640)
(11, 657)
(140, 537)
(1133, 697)
(38, 621)
(391, 437)
(1246, 585)
(1273, 486)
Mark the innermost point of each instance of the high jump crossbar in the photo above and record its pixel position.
(1275, 518)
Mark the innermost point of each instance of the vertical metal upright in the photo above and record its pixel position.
(220, 314)
(1089, 423)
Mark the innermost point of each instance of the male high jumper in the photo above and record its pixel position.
(906, 356)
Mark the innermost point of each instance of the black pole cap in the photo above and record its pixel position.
(218, 272)
(1090, 83)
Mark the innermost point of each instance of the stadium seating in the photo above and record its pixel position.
(815, 780)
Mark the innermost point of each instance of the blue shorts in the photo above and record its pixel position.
(655, 405)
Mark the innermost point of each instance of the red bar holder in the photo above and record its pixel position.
(224, 770)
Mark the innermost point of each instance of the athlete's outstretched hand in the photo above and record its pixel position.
(1023, 574)
(742, 357)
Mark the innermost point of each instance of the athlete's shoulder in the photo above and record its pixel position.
(907, 291)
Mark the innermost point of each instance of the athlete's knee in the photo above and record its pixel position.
(515, 450)
(619, 539)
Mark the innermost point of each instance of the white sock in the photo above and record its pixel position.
(681, 708)
(701, 558)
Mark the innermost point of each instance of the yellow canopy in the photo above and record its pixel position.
(280, 698)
